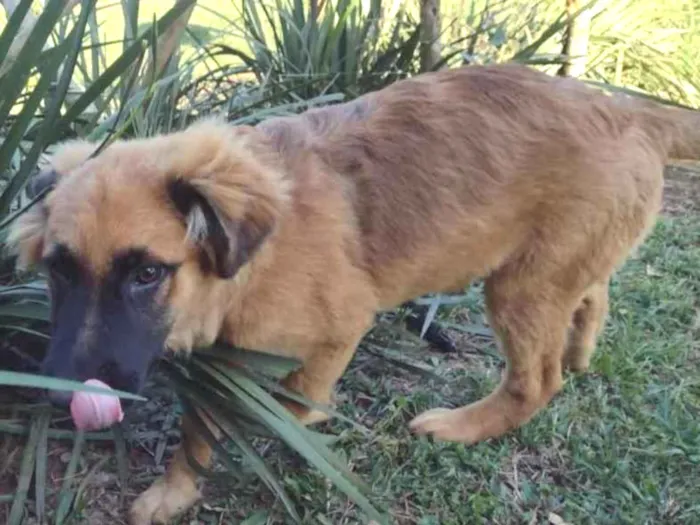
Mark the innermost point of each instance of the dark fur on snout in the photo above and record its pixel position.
(106, 327)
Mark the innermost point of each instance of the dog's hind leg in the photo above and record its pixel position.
(177, 490)
(588, 322)
(530, 316)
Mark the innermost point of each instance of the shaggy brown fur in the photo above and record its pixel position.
(538, 184)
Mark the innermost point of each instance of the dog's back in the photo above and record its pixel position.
(491, 151)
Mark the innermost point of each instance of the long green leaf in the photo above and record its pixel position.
(24, 330)
(297, 436)
(27, 310)
(317, 456)
(122, 64)
(38, 294)
(122, 458)
(273, 365)
(11, 30)
(65, 496)
(12, 83)
(47, 130)
(44, 419)
(430, 315)
(218, 396)
(258, 373)
(251, 456)
(19, 127)
(12, 218)
(26, 472)
(561, 22)
(51, 383)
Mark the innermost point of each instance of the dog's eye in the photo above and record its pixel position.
(148, 274)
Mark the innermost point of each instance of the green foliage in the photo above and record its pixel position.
(652, 46)
(351, 47)
(485, 32)
(235, 388)
(338, 46)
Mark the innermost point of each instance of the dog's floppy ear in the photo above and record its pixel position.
(43, 182)
(227, 239)
(26, 237)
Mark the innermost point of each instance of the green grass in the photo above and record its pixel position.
(620, 444)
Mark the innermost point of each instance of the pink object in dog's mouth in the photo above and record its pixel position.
(93, 411)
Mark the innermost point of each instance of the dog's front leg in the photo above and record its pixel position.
(177, 490)
(317, 377)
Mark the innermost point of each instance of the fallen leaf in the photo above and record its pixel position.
(556, 519)
(652, 272)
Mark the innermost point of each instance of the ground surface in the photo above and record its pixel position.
(618, 445)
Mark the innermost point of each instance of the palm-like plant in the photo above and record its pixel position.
(317, 47)
(651, 46)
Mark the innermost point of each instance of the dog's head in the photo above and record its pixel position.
(144, 242)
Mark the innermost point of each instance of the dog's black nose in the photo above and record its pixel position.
(59, 398)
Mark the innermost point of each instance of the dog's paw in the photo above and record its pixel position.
(576, 363)
(163, 501)
(446, 425)
(305, 415)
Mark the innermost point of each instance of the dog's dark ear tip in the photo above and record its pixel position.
(182, 195)
(226, 244)
(43, 181)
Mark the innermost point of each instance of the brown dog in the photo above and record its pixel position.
(293, 234)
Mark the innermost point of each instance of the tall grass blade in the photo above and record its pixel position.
(26, 310)
(13, 26)
(122, 458)
(47, 131)
(122, 64)
(26, 472)
(42, 452)
(430, 316)
(22, 379)
(251, 456)
(12, 83)
(296, 435)
(19, 127)
(66, 494)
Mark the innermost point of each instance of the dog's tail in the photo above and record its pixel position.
(682, 130)
(676, 130)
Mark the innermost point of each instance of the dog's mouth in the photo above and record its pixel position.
(62, 398)
(95, 411)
